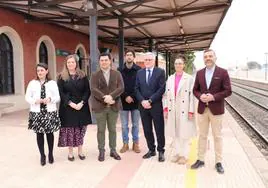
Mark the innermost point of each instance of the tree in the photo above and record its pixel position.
(253, 65)
(189, 58)
(189, 61)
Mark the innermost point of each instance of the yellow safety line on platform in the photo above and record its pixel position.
(191, 179)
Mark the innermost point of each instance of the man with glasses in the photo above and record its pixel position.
(150, 87)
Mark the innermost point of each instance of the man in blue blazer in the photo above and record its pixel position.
(150, 87)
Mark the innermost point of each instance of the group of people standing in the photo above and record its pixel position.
(133, 92)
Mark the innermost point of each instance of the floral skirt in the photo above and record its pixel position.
(72, 136)
(48, 122)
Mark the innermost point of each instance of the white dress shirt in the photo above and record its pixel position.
(209, 75)
(147, 73)
(106, 74)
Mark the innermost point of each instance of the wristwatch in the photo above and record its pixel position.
(150, 101)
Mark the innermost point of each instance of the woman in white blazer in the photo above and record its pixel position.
(42, 94)
(180, 110)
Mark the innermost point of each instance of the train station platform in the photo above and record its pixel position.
(244, 165)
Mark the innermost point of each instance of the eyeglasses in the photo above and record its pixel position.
(148, 59)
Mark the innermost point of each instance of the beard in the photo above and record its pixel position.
(129, 61)
(209, 62)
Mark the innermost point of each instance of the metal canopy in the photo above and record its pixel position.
(172, 25)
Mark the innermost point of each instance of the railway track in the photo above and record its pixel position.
(251, 105)
(256, 96)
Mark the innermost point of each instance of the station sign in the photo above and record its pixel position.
(60, 52)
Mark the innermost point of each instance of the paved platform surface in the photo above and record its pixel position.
(19, 161)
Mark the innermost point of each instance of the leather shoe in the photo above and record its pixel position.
(161, 157)
(136, 147)
(198, 164)
(115, 155)
(124, 148)
(219, 168)
(149, 154)
(43, 160)
(70, 158)
(82, 157)
(101, 156)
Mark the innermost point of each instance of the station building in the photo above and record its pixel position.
(25, 43)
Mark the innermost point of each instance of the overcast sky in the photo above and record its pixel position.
(243, 34)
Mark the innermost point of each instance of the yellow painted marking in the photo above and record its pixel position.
(190, 178)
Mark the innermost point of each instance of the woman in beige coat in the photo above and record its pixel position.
(180, 110)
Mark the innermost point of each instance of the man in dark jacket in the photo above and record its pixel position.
(130, 103)
(150, 87)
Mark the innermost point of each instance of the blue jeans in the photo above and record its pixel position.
(135, 117)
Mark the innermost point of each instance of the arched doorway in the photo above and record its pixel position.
(83, 61)
(6, 66)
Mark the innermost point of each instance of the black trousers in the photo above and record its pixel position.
(40, 143)
(150, 117)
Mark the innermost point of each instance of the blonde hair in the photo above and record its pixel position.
(65, 75)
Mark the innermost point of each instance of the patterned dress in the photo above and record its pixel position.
(72, 136)
(44, 121)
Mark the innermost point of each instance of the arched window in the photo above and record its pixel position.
(6, 66)
(43, 57)
(80, 61)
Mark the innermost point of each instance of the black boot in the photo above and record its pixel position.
(50, 143)
(40, 143)
(43, 160)
(50, 158)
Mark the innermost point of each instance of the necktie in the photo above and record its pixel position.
(149, 76)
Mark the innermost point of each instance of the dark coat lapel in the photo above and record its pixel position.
(203, 77)
(152, 76)
(144, 75)
(102, 79)
(112, 76)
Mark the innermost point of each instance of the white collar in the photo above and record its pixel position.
(106, 71)
(211, 69)
(151, 69)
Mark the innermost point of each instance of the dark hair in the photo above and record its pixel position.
(45, 66)
(105, 54)
(130, 51)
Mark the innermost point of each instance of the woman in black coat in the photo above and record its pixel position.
(74, 110)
